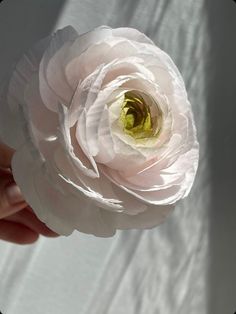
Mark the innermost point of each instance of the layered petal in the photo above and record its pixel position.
(12, 94)
(107, 136)
(51, 97)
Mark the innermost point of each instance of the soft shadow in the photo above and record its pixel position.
(23, 23)
(126, 11)
(221, 111)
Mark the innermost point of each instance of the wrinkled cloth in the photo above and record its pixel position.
(187, 265)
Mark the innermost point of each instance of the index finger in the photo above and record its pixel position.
(6, 154)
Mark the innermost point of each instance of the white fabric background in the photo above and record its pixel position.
(188, 265)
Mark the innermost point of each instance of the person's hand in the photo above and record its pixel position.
(18, 223)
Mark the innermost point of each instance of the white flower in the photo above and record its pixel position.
(109, 140)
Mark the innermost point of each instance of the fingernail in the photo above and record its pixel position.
(13, 193)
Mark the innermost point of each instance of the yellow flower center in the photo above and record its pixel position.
(137, 118)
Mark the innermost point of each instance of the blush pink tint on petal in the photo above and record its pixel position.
(44, 120)
(152, 217)
(61, 212)
(81, 45)
(55, 74)
(49, 97)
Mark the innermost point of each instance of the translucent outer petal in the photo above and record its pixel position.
(50, 96)
(132, 34)
(55, 74)
(38, 112)
(152, 217)
(22, 74)
(82, 160)
(80, 45)
(64, 213)
(61, 212)
(12, 94)
(10, 123)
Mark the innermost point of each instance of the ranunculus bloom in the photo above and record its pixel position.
(109, 140)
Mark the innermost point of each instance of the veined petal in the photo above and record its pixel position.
(80, 45)
(78, 68)
(55, 74)
(77, 152)
(101, 191)
(11, 124)
(105, 141)
(12, 95)
(147, 181)
(61, 212)
(43, 119)
(150, 218)
(132, 34)
(49, 97)
(23, 72)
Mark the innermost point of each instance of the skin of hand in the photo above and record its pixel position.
(18, 223)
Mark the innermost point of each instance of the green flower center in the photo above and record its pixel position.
(136, 117)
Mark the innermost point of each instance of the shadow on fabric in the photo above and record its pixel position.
(25, 23)
(221, 111)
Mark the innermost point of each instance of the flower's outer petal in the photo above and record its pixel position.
(39, 116)
(60, 212)
(78, 47)
(83, 65)
(63, 213)
(101, 192)
(102, 52)
(160, 58)
(10, 123)
(150, 181)
(55, 74)
(49, 96)
(12, 94)
(25, 68)
(160, 196)
(152, 217)
(132, 34)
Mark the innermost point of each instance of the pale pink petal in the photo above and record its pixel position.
(83, 65)
(94, 103)
(49, 96)
(148, 180)
(12, 95)
(55, 74)
(79, 68)
(80, 45)
(132, 34)
(101, 191)
(25, 68)
(43, 119)
(105, 141)
(152, 217)
(77, 152)
(62, 212)
(11, 123)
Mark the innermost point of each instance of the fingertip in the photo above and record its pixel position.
(17, 233)
(28, 238)
(6, 155)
